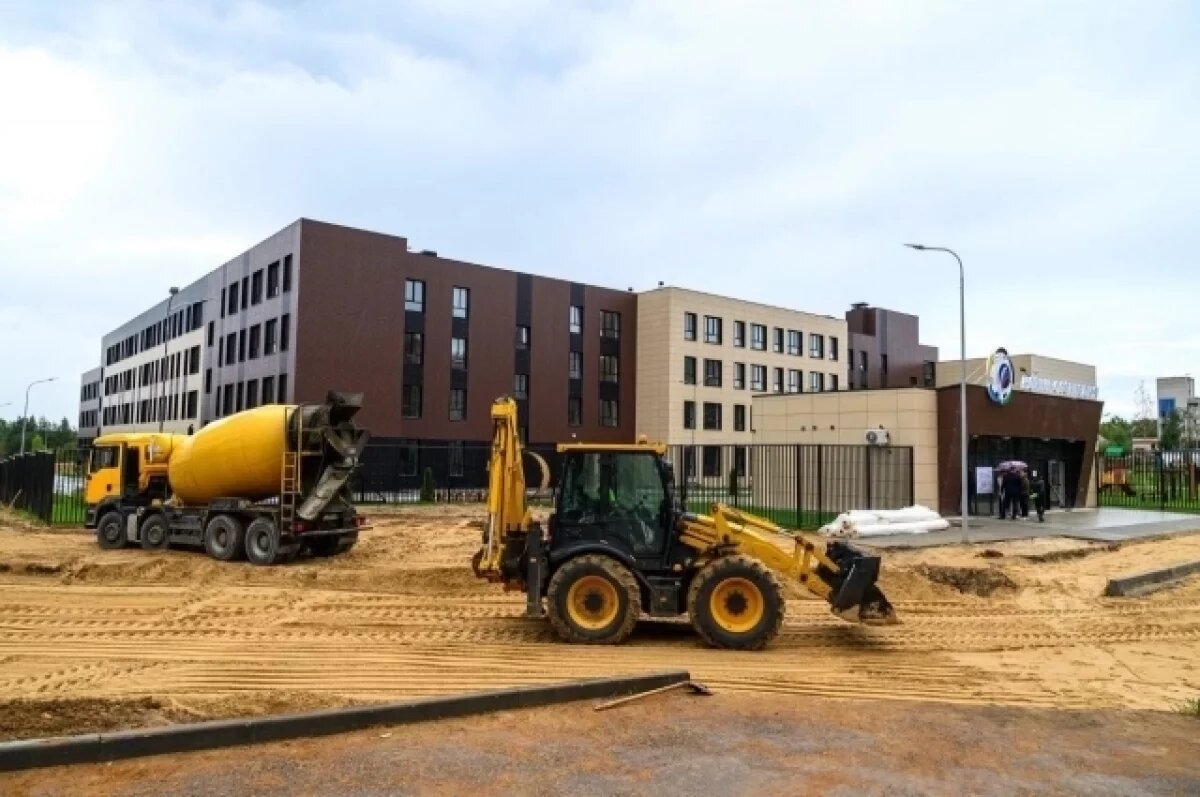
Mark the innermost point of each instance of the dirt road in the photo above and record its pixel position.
(401, 615)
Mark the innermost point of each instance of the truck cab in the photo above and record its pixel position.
(125, 471)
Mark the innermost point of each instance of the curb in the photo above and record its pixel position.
(1140, 582)
(100, 747)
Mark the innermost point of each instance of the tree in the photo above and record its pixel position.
(1144, 427)
(1145, 407)
(1118, 432)
(1172, 432)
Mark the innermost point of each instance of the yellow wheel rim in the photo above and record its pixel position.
(737, 605)
(593, 603)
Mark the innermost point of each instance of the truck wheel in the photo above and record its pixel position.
(110, 531)
(736, 602)
(155, 536)
(262, 542)
(223, 538)
(594, 600)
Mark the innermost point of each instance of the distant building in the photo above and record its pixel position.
(1178, 394)
(885, 350)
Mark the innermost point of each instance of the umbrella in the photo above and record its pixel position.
(1012, 464)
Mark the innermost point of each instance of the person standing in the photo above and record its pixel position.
(1012, 494)
(1041, 496)
(1024, 494)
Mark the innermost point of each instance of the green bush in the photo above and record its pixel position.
(427, 487)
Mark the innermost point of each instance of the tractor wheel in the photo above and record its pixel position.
(736, 602)
(262, 543)
(223, 538)
(155, 535)
(594, 600)
(110, 531)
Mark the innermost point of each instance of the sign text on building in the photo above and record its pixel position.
(1059, 387)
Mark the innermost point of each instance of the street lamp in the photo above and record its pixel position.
(962, 374)
(25, 414)
(162, 378)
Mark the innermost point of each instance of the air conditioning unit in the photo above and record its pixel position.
(878, 437)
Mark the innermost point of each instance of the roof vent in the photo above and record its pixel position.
(429, 252)
(859, 305)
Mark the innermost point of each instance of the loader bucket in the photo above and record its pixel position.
(856, 598)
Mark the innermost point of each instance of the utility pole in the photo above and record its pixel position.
(162, 411)
(25, 414)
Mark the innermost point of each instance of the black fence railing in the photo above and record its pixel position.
(399, 473)
(46, 484)
(1161, 480)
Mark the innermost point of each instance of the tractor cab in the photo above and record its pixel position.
(126, 469)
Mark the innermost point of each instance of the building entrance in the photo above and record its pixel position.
(1058, 461)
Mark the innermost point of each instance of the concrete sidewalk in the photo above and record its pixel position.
(1097, 525)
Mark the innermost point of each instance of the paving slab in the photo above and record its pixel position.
(1096, 525)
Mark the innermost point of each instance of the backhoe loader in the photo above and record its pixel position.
(617, 545)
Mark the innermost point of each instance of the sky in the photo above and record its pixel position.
(775, 151)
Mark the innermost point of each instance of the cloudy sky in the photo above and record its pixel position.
(775, 151)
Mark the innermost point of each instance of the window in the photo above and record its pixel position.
(833, 382)
(460, 302)
(576, 319)
(739, 334)
(575, 365)
(739, 417)
(758, 378)
(271, 337)
(458, 353)
(574, 411)
(458, 404)
(207, 381)
(233, 298)
(255, 341)
(194, 360)
(241, 346)
(414, 348)
(222, 315)
(711, 461)
(252, 394)
(193, 401)
(777, 382)
(758, 337)
(227, 401)
(608, 368)
(795, 381)
(414, 296)
(712, 373)
(608, 412)
(739, 376)
(287, 284)
(689, 370)
(241, 393)
(256, 287)
(816, 346)
(521, 386)
(883, 367)
(230, 342)
(211, 330)
(712, 415)
(689, 415)
(408, 458)
(272, 288)
(610, 324)
(777, 340)
(833, 348)
(795, 344)
(816, 381)
(689, 326)
(282, 395)
(522, 337)
(712, 329)
(285, 331)
(268, 390)
(455, 452)
(245, 292)
(410, 401)
(929, 373)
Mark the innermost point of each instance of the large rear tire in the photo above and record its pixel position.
(223, 538)
(263, 544)
(155, 534)
(736, 602)
(595, 600)
(110, 531)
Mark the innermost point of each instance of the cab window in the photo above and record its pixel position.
(620, 494)
(103, 457)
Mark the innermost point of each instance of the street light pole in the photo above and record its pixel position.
(162, 411)
(962, 376)
(25, 414)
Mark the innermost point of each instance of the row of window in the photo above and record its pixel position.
(713, 412)
(178, 323)
(714, 334)
(89, 391)
(412, 401)
(248, 394)
(156, 371)
(87, 419)
(270, 337)
(247, 292)
(714, 377)
(168, 408)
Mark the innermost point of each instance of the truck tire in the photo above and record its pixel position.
(736, 602)
(223, 538)
(110, 531)
(595, 600)
(262, 542)
(155, 534)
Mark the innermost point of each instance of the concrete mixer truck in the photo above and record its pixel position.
(265, 484)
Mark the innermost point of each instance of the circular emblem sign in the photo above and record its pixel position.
(1000, 377)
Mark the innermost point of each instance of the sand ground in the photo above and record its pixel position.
(93, 639)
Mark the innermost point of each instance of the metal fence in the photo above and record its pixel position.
(46, 484)
(1161, 480)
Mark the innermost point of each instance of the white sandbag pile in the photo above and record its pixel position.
(877, 522)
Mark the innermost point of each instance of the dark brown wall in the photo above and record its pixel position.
(1027, 415)
(350, 335)
(879, 331)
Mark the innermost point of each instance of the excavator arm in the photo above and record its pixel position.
(838, 573)
(507, 509)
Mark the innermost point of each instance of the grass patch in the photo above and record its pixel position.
(1190, 708)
